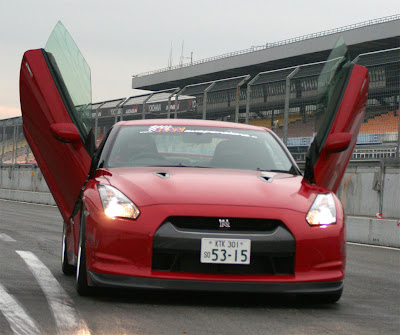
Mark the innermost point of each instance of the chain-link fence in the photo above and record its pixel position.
(283, 100)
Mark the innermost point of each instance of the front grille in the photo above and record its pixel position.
(213, 224)
(177, 244)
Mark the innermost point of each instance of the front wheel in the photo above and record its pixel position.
(81, 282)
(68, 269)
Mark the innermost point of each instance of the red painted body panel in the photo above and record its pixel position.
(65, 166)
(330, 167)
(124, 247)
(209, 187)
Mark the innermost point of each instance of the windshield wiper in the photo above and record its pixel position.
(273, 170)
(290, 171)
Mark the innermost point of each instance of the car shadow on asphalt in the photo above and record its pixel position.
(209, 299)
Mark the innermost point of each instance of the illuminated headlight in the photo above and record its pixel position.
(116, 204)
(322, 211)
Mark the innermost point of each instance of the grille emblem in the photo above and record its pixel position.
(224, 223)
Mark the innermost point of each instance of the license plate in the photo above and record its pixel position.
(225, 251)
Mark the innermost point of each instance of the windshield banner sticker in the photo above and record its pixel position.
(166, 129)
(199, 131)
(172, 129)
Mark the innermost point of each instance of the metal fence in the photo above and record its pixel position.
(283, 100)
(13, 146)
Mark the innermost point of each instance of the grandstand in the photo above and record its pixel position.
(259, 87)
(286, 87)
(364, 37)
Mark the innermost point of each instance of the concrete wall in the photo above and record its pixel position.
(373, 231)
(22, 177)
(24, 183)
(365, 191)
(368, 190)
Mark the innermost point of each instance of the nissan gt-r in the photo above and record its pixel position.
(192, 204)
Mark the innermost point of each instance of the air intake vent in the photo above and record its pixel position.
(162, 174)
(237, 225)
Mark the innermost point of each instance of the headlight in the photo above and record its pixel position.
(322, 211)
(116, 204)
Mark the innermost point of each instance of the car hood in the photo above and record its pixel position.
(206, 186)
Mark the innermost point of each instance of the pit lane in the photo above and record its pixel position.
(30, 236)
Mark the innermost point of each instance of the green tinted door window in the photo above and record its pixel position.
(71, 74)
(331, 82)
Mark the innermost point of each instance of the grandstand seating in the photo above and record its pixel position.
(378, 124)
(296, 126)
(21, 158)
(384, 123)
(278, 120)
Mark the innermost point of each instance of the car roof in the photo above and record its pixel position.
(190, 122)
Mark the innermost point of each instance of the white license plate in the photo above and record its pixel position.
(225, 251)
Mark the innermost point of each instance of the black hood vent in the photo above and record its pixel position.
(163, 175)
(267, 177)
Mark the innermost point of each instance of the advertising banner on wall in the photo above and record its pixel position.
(159, 107)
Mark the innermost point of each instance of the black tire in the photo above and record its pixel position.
(68, 269)
(81, 282)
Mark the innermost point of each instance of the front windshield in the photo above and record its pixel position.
(189, 146)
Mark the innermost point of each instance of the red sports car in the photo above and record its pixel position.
(192, 204)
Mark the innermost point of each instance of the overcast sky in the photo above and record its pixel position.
(120, 38)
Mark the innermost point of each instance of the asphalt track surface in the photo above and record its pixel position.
(36, 298)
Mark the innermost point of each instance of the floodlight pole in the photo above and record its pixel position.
(176, 101)
(27, 153)
(119, 110)
(13, 150)
(355, 60)
(238, 97)
(96, 122)
(169, 102)
(4, 134)
(144, 105)
(248, 98)
(286, 112)
(398, 131)
(205, 99)
(121, 118)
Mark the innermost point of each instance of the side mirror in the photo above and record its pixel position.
(338, 142)
(65, 132)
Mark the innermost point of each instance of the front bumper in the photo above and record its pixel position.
(127, 249)
(105, 280)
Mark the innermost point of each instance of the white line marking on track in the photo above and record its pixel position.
(19, 320)
(373, 246)
(6, 238)
(67, 319)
